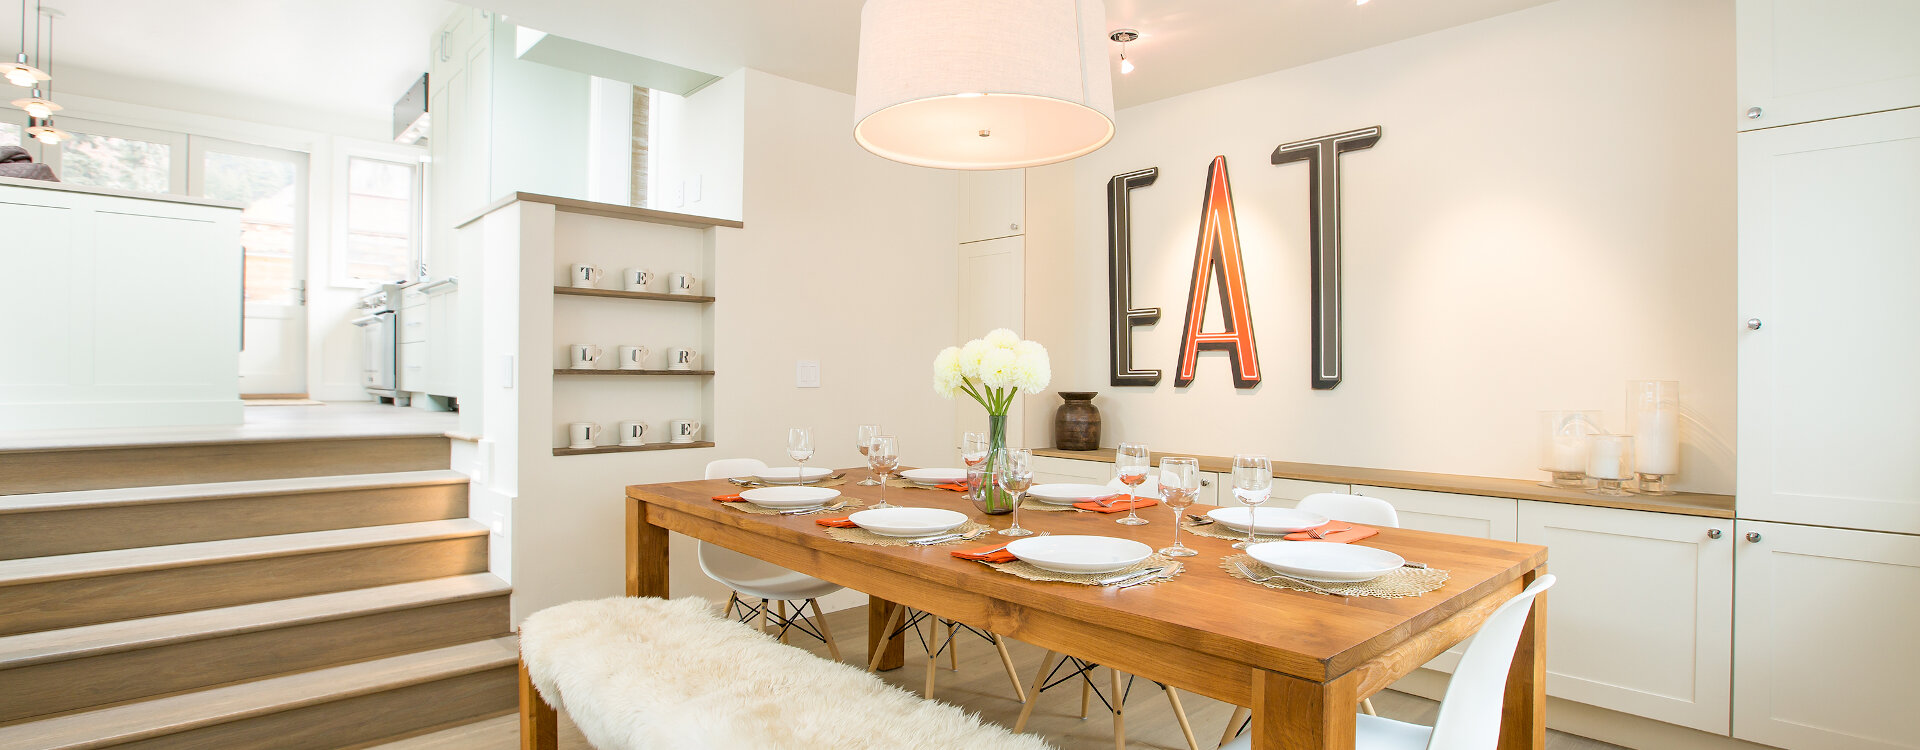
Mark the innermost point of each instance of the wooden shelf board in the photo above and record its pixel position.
(624, 294)
(571, 371)
(610, 210)
(628, 448)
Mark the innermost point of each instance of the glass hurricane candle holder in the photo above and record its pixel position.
(1653, 418)
(1563, 446)
(1610, 463)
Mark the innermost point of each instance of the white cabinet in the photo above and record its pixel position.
(1805, 60)
(1825, 654)
(1448, 513)
(443, 323)
(1050, 470)
(1827, 358)
(1641, 619)
(992, 204)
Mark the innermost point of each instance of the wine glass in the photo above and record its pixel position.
(1179, 483)
(883, 455)
(973, 448)
(1252, 482)
(861, 440)
(1133, 461)
(800, 448)
(1015, 476)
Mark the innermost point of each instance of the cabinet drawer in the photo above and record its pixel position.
(412, 297)
(412, 324)
(412, 358)
(1047, 469)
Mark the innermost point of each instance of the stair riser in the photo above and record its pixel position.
(33, 607)
(53, 687)
(356, 721)
(64, 532)
(144, 466)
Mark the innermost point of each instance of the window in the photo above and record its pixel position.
(270, 190)
(382, 220)
(9, 134)
(122, 163)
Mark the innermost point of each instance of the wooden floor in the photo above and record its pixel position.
(981, 686)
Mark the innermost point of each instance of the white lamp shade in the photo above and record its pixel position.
(936, 74)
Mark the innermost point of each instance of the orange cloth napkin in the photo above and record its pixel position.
(727, 498)
(843, 522)
(993, 553)
(1348, 532)
(1119, 506)
(954, 487)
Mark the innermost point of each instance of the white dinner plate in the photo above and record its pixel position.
(791, 475)
(1326, 562)
(789, 497)
(1068, 494)
(934, 476)
(1079, 554)
(907, 521)
(1268, 520)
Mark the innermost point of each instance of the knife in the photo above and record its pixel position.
(1163, 574)
(1124, 577)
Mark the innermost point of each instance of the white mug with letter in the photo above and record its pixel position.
(633, 433)
(680, 358)
(581, 434)
(585, 356)
(634, 357)
(681, 282)
(586, 275)
(636, 279)
(684, 430)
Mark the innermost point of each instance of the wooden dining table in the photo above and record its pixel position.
(1301, 661)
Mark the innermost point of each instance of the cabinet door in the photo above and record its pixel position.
(1641, 620)
(1824, 653)
(443, 339)
(1048, 470)
(1289, 492)
(1447, 513)
(992, 204)
(1805, 60)
(1827, 262)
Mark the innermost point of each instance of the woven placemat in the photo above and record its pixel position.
(859, 535)
(1046, 507)
(1401, 583)
(1219, 530)
(746, 507)
(1032, 573)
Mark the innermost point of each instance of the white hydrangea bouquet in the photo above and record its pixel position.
(993, 370)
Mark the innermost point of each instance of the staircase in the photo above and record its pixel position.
(286, 594)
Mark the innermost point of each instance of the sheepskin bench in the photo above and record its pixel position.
(660, 674)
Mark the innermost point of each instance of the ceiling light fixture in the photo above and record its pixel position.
(1123, 36)
(982, 84)
(39, 106)
(43, 130)
(20, 72)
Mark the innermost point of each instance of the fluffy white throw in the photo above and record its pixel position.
(658, 674)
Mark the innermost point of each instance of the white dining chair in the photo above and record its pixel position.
(1470, 711)
(1371, 511)
(774, 586)
(1149, 488)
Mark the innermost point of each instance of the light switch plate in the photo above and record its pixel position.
(506, 371)
(806, 374)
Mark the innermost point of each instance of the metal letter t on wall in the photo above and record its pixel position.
(1322, 156)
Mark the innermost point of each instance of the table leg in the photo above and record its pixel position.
(878, 613)
(1290, 713)
(539, 724)
(1523, 712)
(646, 553)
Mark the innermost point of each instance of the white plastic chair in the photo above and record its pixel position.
(773, 585)
(1470, 711)
(1371, 511)
(1149, 488)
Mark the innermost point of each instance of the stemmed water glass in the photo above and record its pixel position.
(1015, 476)
(1252, 482)
(1132, 461)
(861, 441)
(800, 448)
(973, 448)
(883, 455)
(1179, 484)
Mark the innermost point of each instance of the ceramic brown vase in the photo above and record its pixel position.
(1076, 424)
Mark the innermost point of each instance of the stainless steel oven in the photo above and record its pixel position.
(378, 329)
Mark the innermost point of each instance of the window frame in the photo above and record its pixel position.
(402, 155)
(176, 142)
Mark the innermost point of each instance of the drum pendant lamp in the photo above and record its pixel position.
(983, 84)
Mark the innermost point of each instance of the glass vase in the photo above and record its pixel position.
(987, 497)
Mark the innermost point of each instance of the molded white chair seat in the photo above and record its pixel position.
(642, 674)
(1360, 509)
(1370, 733)
(760, 579)
(1149, 488)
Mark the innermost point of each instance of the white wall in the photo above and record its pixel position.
(695, 160)
(1550, 213)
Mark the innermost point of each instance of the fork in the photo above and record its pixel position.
(1256, 578)
(1199, 520)
(1322, 533)
(811, 511)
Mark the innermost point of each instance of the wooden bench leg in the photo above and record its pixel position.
(539, 724)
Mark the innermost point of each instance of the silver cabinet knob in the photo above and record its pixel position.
(1753, 324)
(1753, 536)
(1753, 113)
(1206, 483)
(1713, 533)
(1013, 226)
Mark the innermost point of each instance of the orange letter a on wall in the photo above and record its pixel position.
(1219, 255)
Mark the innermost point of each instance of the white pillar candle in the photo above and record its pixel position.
(1604, 459)
(1569, 454)
(1657, 445)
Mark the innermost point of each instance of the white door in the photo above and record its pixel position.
(1825, 654)
(1642, 619)
(1805, 60)
(272, 184)
(992, 292)
(1829, 213)
(992, 204)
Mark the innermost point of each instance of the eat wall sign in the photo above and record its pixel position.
(1218, 258)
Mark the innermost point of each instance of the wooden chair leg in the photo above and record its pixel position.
(783, 620)
(933, 654)
(733, 597)
(1119, 712)
(1180, 715)
(1240, 714)
(825, 634)
(1086, 693)
(886, 636)
(1006, 660)
(1039, 678)
(1367, 706)
(539, 723)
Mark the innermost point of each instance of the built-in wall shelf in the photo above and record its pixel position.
(571, 371)
(629, 448)
(609, 210)
(624, 294)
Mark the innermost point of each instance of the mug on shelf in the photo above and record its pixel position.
(585, 356)
(681, 282)
(681, 358)
(633, 433)
(636, 279)
(634, 357)
(586, 275)
(684, 430)
(581, 434)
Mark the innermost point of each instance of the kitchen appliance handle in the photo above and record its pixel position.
(430, 286)
(368, 320)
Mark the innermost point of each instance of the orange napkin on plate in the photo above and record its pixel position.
(1347, 532)
(993, 553)
(954, 487)
(728, 498)
(843, 522)
(1119, 506)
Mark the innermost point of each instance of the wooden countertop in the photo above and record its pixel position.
(1685, 503)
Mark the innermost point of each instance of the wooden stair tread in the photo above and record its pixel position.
(163, 716)
(113, 562)
(92, 640)
(49, 501)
